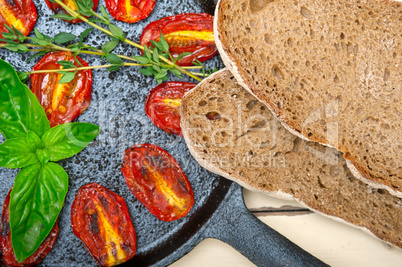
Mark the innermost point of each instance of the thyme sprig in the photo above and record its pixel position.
(85, 13)
(41, 44)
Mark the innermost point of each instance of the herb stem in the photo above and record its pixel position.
(86, 68)
(77, 15)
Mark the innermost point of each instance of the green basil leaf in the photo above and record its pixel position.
(16, 153)
(35, 201)
(66, 140)
(20, 110)
(64, 37)
(67, 77)
(43, 155)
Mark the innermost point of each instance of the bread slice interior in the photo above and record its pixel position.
(330, 70)
(231, 133)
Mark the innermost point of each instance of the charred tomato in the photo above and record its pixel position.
(101, 220)
(157, 181)
(6, 246)
(18, 13)
(56, 8)
(188, 32)
(130, 10)
(163, 105)
(62, 102)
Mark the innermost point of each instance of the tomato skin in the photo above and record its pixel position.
(139, 9)
(162, 105)
(187, 32)
(157, 181)
(19, 13)
(56, 8)
(62, 104)
(6, 246)
(101, 220)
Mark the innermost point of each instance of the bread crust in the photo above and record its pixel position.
(359, 168)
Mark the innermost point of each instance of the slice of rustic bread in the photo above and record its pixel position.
(331, 70)
(231, 133)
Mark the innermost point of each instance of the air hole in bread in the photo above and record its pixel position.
(386, 74)
(305, 12)
(276, 71)
(213, 116)
(267, 39)
(251, 104)
(257, 5)
(205, 138)
(382, 191)
(202, 103)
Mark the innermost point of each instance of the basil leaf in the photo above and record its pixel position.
(35, 201)
(66, 140)
(23, 76)
(84, 34)
(20, 110)
(17, 153)
(64, 37)
(141, 59)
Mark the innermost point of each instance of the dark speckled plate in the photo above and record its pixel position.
(117, 106)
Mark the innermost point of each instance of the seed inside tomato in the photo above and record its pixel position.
(101, 220)
(62, 102)
(56, 8)
(163, 105)
(6, 246)
(130, 10)
(189, 32)
(157, 181)
(18, 13)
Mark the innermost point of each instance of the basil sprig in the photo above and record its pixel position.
(41, 185)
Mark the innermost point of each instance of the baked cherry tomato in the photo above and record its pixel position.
(101, 220)
(56, 8)
(62, 102)
(7, 249)
(157, 181)
(163, 105)
(130, 10)
(188, 32)
(18, 13)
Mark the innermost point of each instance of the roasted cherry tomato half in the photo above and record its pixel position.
(7, 249)
(157, 181)
(56, 8)
(18, 13)
(163, 105)
(130, 10)
(101, 220)
(62, 102)
(188, 32)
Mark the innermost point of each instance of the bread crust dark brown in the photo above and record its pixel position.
(275, 81)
